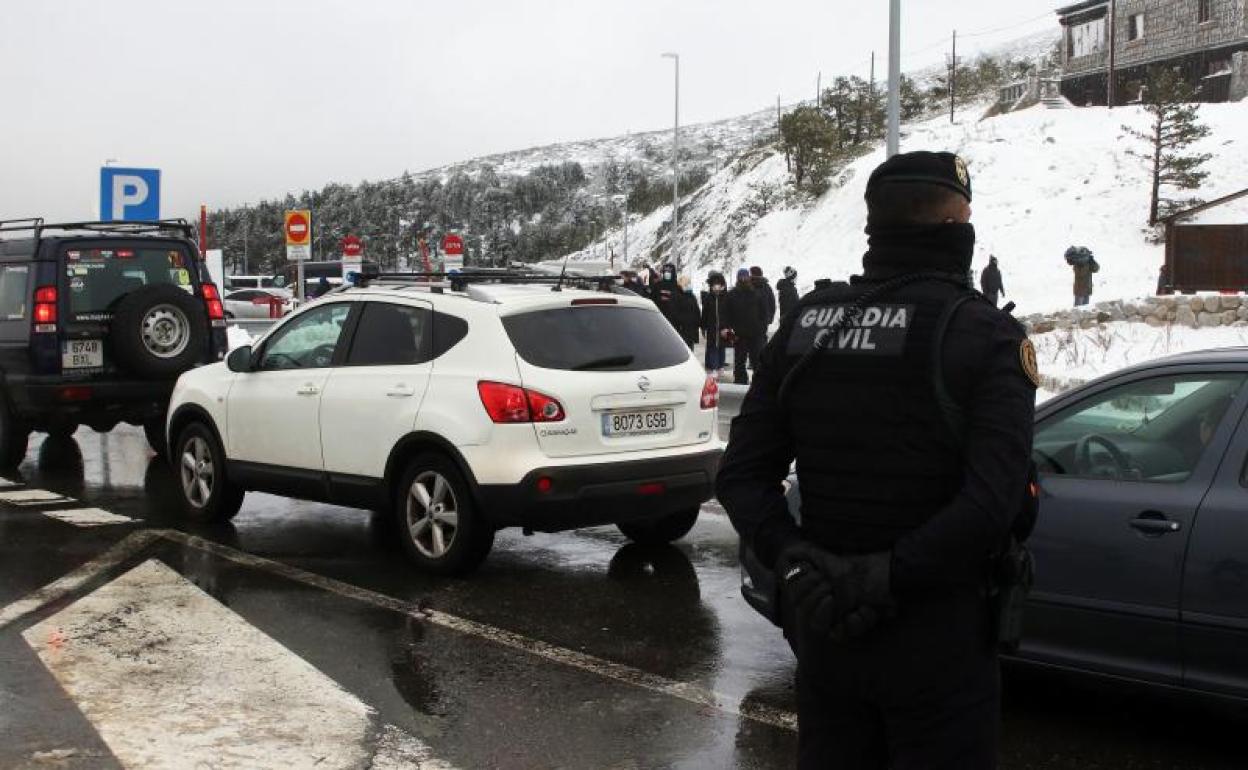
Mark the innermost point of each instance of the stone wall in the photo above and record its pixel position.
(1195, 312)
(1239, 76)
(1171, 29)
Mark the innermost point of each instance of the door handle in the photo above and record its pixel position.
(401, 391)
(1154, 523)
(308, 390)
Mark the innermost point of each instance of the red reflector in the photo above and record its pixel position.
(654, 488)
(46, 294)
(578, 302)
(544, 485)
(45, 314)
(125, 254)
(75, 393)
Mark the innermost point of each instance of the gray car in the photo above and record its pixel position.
(1141, 547)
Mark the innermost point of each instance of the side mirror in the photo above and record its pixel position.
(239, 359)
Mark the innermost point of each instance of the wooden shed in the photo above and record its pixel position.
(1207, 247)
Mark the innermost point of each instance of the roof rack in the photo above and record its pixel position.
(37, 225)
(459, 279)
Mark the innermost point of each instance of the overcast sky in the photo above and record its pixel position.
(237, 100)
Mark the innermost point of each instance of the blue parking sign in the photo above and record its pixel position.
(128, 194)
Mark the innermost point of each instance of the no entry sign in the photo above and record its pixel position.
(352, 247)
(298, 230)
(453, 245)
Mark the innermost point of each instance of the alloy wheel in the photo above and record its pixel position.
(197, 471)
(432, 514)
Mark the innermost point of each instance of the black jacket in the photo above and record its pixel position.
(946, 543)
(747, 312)
(787, 295)
(688, 317)
(765, 293)
(990, 281)
(715, 314)
(666, 294)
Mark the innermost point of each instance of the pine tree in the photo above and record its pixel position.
(1174, 128)
(810, 138)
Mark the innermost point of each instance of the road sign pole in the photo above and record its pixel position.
(894, 77)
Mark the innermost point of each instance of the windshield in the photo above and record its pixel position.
(97, 278)
(596, 338)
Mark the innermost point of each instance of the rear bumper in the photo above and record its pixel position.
(604, 493)
(55, 399)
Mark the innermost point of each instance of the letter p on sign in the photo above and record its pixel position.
(129, 194)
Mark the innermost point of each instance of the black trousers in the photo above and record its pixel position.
(744, 349)
(920, 691)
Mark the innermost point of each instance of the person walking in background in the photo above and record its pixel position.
(747, 319)
(666, 294)
(715, 323)
(688, 315)
(765, 293)
(631, 282)
(786, 291)
(990, 282)
(1084, 265)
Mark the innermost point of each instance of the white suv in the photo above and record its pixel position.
(464, 410)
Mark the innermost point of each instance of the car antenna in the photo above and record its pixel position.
(562, 272)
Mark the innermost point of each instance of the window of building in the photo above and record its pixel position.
(1087, 38)
(1135, 27)
(1206, 11)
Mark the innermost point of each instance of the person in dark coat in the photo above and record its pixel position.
(666, 294)
(786, 291)
(715, 322)
(688, 314)
(763, 288)
(633, 283)
(990, 282)
(747, 315)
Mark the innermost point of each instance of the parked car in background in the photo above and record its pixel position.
(1141, 546)
(97, 322)
(235, 282)
(464, 409)
(257, 303)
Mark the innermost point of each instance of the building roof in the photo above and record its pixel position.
(1185, 213)
(1067, 10)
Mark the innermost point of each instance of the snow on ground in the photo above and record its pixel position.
(1069, 358)
(1043, 180)
(238, 337)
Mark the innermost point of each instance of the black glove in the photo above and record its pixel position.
(833, 596)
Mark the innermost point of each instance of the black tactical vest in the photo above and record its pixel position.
(876, 454)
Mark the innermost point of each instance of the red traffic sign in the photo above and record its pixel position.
(298, 228)
(352, 246)
(453, 245)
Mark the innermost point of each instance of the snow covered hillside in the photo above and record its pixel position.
(1043, 180)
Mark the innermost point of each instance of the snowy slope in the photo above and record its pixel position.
(1043, 180)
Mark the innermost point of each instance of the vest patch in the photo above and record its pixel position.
(881, 330)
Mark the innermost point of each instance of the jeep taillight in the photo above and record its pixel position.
(45, 309)
(512, 404)
(710, 393)
(212, 301)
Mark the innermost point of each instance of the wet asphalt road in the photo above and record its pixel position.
(575, 650)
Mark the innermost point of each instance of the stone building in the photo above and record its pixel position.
(1207, 40)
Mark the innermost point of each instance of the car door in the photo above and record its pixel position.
(372, 399)
(1122, 473)
(273, 411)
(239, 303)
(1215, 585)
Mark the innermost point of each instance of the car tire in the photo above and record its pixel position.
(437, 519)
(154, 431)
(203, 485)
(664, 529)
(159, 331)
(14, 437)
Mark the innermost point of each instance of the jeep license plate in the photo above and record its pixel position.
(82, 354)
(648, 423)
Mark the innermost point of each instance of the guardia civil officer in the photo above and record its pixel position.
(906, 401)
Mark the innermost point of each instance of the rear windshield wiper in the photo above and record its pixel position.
(604, 363)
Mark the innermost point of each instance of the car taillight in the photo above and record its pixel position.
(710, 393)
(512, 404)
(212, 300)
(45, 309)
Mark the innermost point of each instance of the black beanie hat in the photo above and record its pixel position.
(939, 168)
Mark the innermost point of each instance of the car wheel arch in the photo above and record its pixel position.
(184, 416)
(419, 442)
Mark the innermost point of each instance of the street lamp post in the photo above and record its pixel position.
(675, 57)
(894, 78)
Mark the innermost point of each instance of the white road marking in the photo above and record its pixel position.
(171, 678)
(34, 497)
(80, 576)
(686, 691)
(88, 517)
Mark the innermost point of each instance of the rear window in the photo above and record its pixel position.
(97, 278)
(596, 338)
(13, 279)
